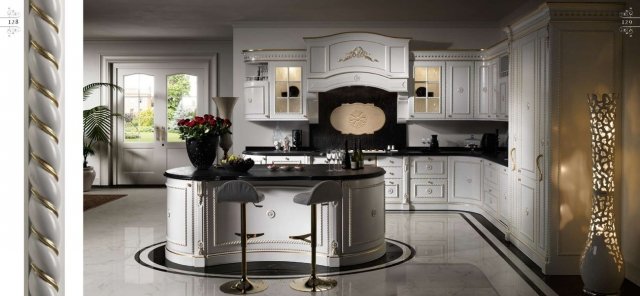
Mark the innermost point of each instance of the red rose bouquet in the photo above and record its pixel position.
(201, 127)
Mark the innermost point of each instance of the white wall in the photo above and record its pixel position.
(631, 154)
(454, 133)
(94, 50)
(290, 36)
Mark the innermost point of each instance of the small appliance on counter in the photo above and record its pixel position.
(489, 143)
(472, 143)
(434, 145)
(296, 136)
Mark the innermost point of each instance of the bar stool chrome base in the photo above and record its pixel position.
(240, 287)
(313, 284)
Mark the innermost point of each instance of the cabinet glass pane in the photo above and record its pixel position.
(282, 73)
(419, 105)
(420, 89)
(281, 105)
(433, 105)
(420, 73)
(433, 89)
(433, 74)
(295, 74)
(282, 90)
(138, 109)
(182, 101)
(295, 105)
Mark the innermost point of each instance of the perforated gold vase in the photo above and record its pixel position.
(601, 264)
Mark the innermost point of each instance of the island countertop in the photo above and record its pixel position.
(261, 173)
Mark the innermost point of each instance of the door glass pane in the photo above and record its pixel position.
(138, 108)
(182, 102)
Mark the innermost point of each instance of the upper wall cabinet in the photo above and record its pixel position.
(427, 97)
(274, 87)
(460, 89)
(357, 59)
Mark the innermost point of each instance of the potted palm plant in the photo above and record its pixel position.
(97, 128)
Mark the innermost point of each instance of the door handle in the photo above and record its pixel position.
(513, 158)
(538, 166)
(157, 132)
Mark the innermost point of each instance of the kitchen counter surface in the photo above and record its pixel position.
(501, 157)
(261, 173)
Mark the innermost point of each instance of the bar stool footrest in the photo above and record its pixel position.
(302, 237)
(251, 235)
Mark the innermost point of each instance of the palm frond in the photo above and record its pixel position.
(97, 123)
(88, 89)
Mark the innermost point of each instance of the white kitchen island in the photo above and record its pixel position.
(201, 231)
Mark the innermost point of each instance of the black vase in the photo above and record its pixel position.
(202, 152)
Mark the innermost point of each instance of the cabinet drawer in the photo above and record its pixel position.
(392, 172)
(369, 159)
(491, 172)
(389, 161)
(428, 190)
(491, 200)
(393, 190)
(429, 167)
(287, 159)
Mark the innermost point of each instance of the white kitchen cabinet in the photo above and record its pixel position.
(288, 159)
(484, 91)
(459, 89)
(395, 186)
(393, 190)
(465, 179)
(256, 100)
(179, 214)
(505, 198)
(428, 167)
(287, 96)
(427, 95)
(428, 190)
(527, 200)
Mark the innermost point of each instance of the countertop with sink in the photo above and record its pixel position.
(501, 157)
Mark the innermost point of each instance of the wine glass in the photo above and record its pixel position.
(328, 155)
(339, 156)
(333, 159)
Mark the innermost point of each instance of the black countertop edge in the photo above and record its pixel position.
(500, 157)
(261, 173)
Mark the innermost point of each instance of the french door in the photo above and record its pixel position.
(155, 96)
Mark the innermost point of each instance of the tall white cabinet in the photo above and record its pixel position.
(558, 54)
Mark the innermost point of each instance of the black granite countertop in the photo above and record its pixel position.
(261, 173)
(501, 157)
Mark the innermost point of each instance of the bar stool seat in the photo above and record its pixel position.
(323, 192)
(242, 192)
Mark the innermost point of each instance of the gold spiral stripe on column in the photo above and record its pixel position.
(43, 239)
(39, 12)
(44, 127)
(43, 52)
(44, 276)
(43, 90)
(45, 165)
(46, 203)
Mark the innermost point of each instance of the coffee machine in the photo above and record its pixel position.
(296, 138)
(489, 143)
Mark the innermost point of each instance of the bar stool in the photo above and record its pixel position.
(323, 192)
(242, 192)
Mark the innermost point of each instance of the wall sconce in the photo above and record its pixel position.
(601, 264)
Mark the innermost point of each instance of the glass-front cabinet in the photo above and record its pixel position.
(287, 98)
(427, 91)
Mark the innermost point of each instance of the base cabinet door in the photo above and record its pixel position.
(527, 195)
(365, 227)
(428, 190)
(505, 198)
(179, 203)
(393, 191)
(465, 180)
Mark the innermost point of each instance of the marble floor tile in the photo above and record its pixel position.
(451, 257)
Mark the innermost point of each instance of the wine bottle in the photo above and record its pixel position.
(354, 157)
(360, 155)
(346, 160)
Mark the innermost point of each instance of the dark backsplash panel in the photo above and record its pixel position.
(324, 136)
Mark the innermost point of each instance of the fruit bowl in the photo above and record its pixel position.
(237, 164)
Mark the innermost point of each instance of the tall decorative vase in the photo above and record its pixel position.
(225, 110)
(601, 264)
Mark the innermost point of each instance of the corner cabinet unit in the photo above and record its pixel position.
(275, 85)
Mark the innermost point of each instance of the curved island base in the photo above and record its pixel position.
(201, 232)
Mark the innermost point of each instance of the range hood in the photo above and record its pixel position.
(357, 58)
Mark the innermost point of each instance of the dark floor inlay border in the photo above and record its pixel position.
(153, 257)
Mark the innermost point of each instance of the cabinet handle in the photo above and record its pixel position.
(449, 115)
(287, 158)
(163, 134)
(267, 116)
(250, 100)
(538, 166)
(391, 174)
(469, 181)
(391, 182)
(157, 130)
(429, 191)
(513, 158)
(526, 210)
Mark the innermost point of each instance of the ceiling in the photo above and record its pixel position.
(214, 19)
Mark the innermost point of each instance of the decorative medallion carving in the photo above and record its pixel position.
(357, 118)
(359, 53)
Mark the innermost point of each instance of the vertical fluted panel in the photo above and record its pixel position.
(45, 197)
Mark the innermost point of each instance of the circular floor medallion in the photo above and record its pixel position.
(153, 257)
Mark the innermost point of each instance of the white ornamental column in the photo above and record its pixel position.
(45, 122)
